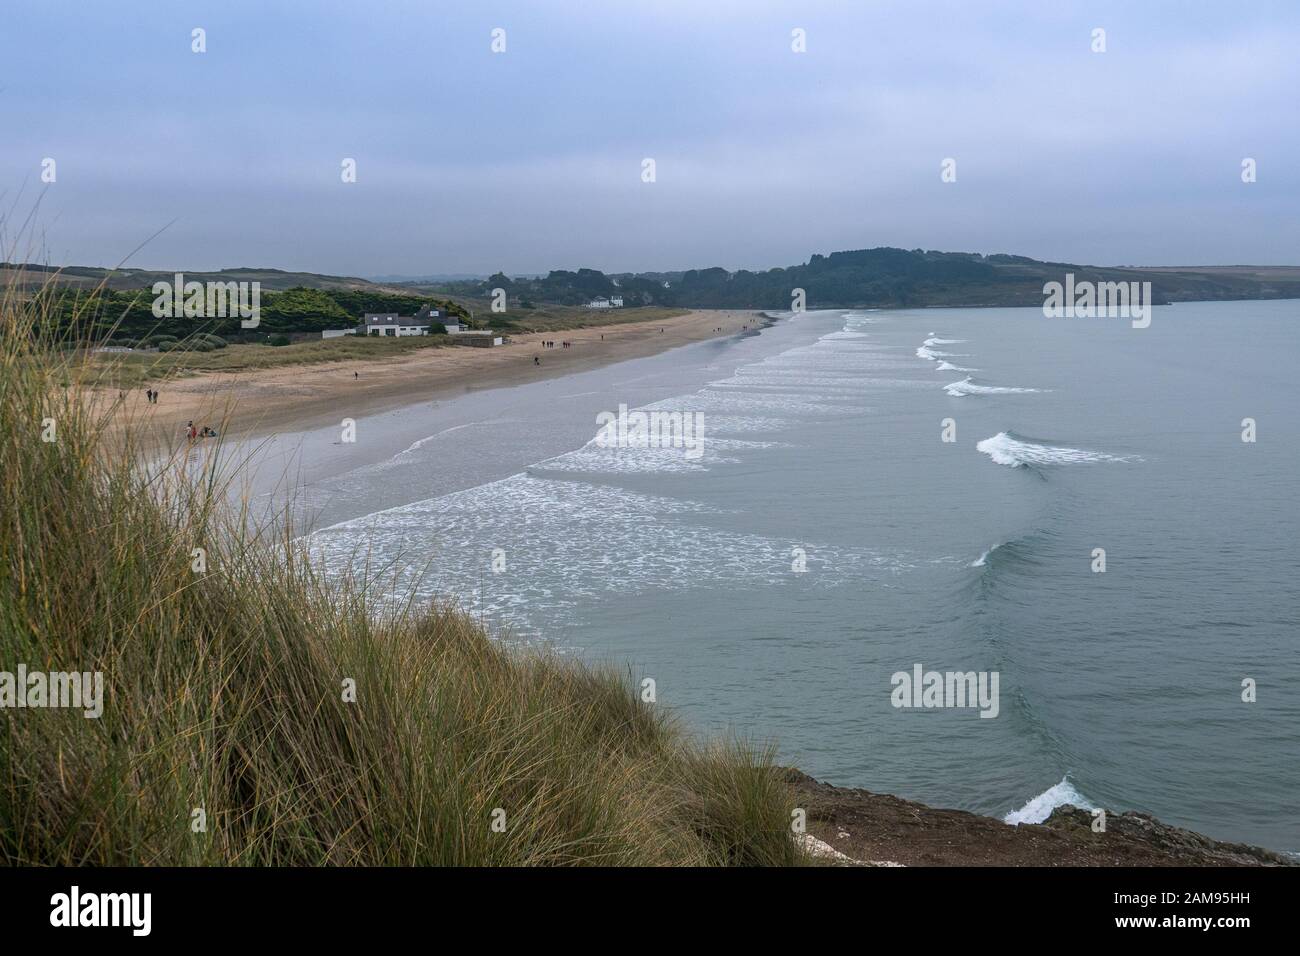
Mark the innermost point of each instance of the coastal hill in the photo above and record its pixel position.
(883, 277)
(33, 276)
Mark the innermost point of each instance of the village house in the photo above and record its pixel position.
(392, 324)
(600, 302)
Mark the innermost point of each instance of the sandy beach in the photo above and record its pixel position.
(305, 396)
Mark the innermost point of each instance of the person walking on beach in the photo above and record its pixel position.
(193, 432)
(355, 376)
(536, 360)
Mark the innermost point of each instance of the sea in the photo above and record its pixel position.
(1098, 520)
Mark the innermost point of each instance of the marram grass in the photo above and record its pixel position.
(225, 738)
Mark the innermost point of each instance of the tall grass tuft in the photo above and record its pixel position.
(225, 738)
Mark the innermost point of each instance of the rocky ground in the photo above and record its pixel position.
(860, 827)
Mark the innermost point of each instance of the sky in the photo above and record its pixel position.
(474, 161)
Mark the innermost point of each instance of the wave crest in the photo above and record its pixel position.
(968, 387)
(1007, 448)
(1040, 807)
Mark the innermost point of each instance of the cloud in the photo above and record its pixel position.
(528, 160)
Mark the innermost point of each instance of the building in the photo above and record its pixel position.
(390, 323)
(600, 302)
(484, 339)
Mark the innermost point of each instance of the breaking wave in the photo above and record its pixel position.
(1040, 807)
(967, 387)
(1008, 448)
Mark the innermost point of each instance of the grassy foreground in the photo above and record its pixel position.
(225, 736)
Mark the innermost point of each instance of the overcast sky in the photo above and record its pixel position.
(531, 159)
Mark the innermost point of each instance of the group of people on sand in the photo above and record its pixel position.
(194, 434)
(151, 396)
(551, 345)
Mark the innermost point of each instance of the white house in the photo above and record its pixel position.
(600, 302)
(390, 323)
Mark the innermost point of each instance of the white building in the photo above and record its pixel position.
(485, 338)
(600, 302)
(390, 323)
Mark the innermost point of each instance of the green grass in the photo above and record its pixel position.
(556, 318)
(135, 369)
(224, 691)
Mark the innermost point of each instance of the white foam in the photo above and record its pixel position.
(934, 355)
(1005, 449)
(935, 341)
(443, 547)
(1040, 807)
(949, 367)
(967, 387)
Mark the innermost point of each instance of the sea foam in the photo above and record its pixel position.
(1040, 807)
(1006, 448)
(968, 387)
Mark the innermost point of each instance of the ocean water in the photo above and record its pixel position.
(828, 537)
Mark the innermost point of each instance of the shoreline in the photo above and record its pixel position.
(300, 397)
(847, 825)
(855, 827)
